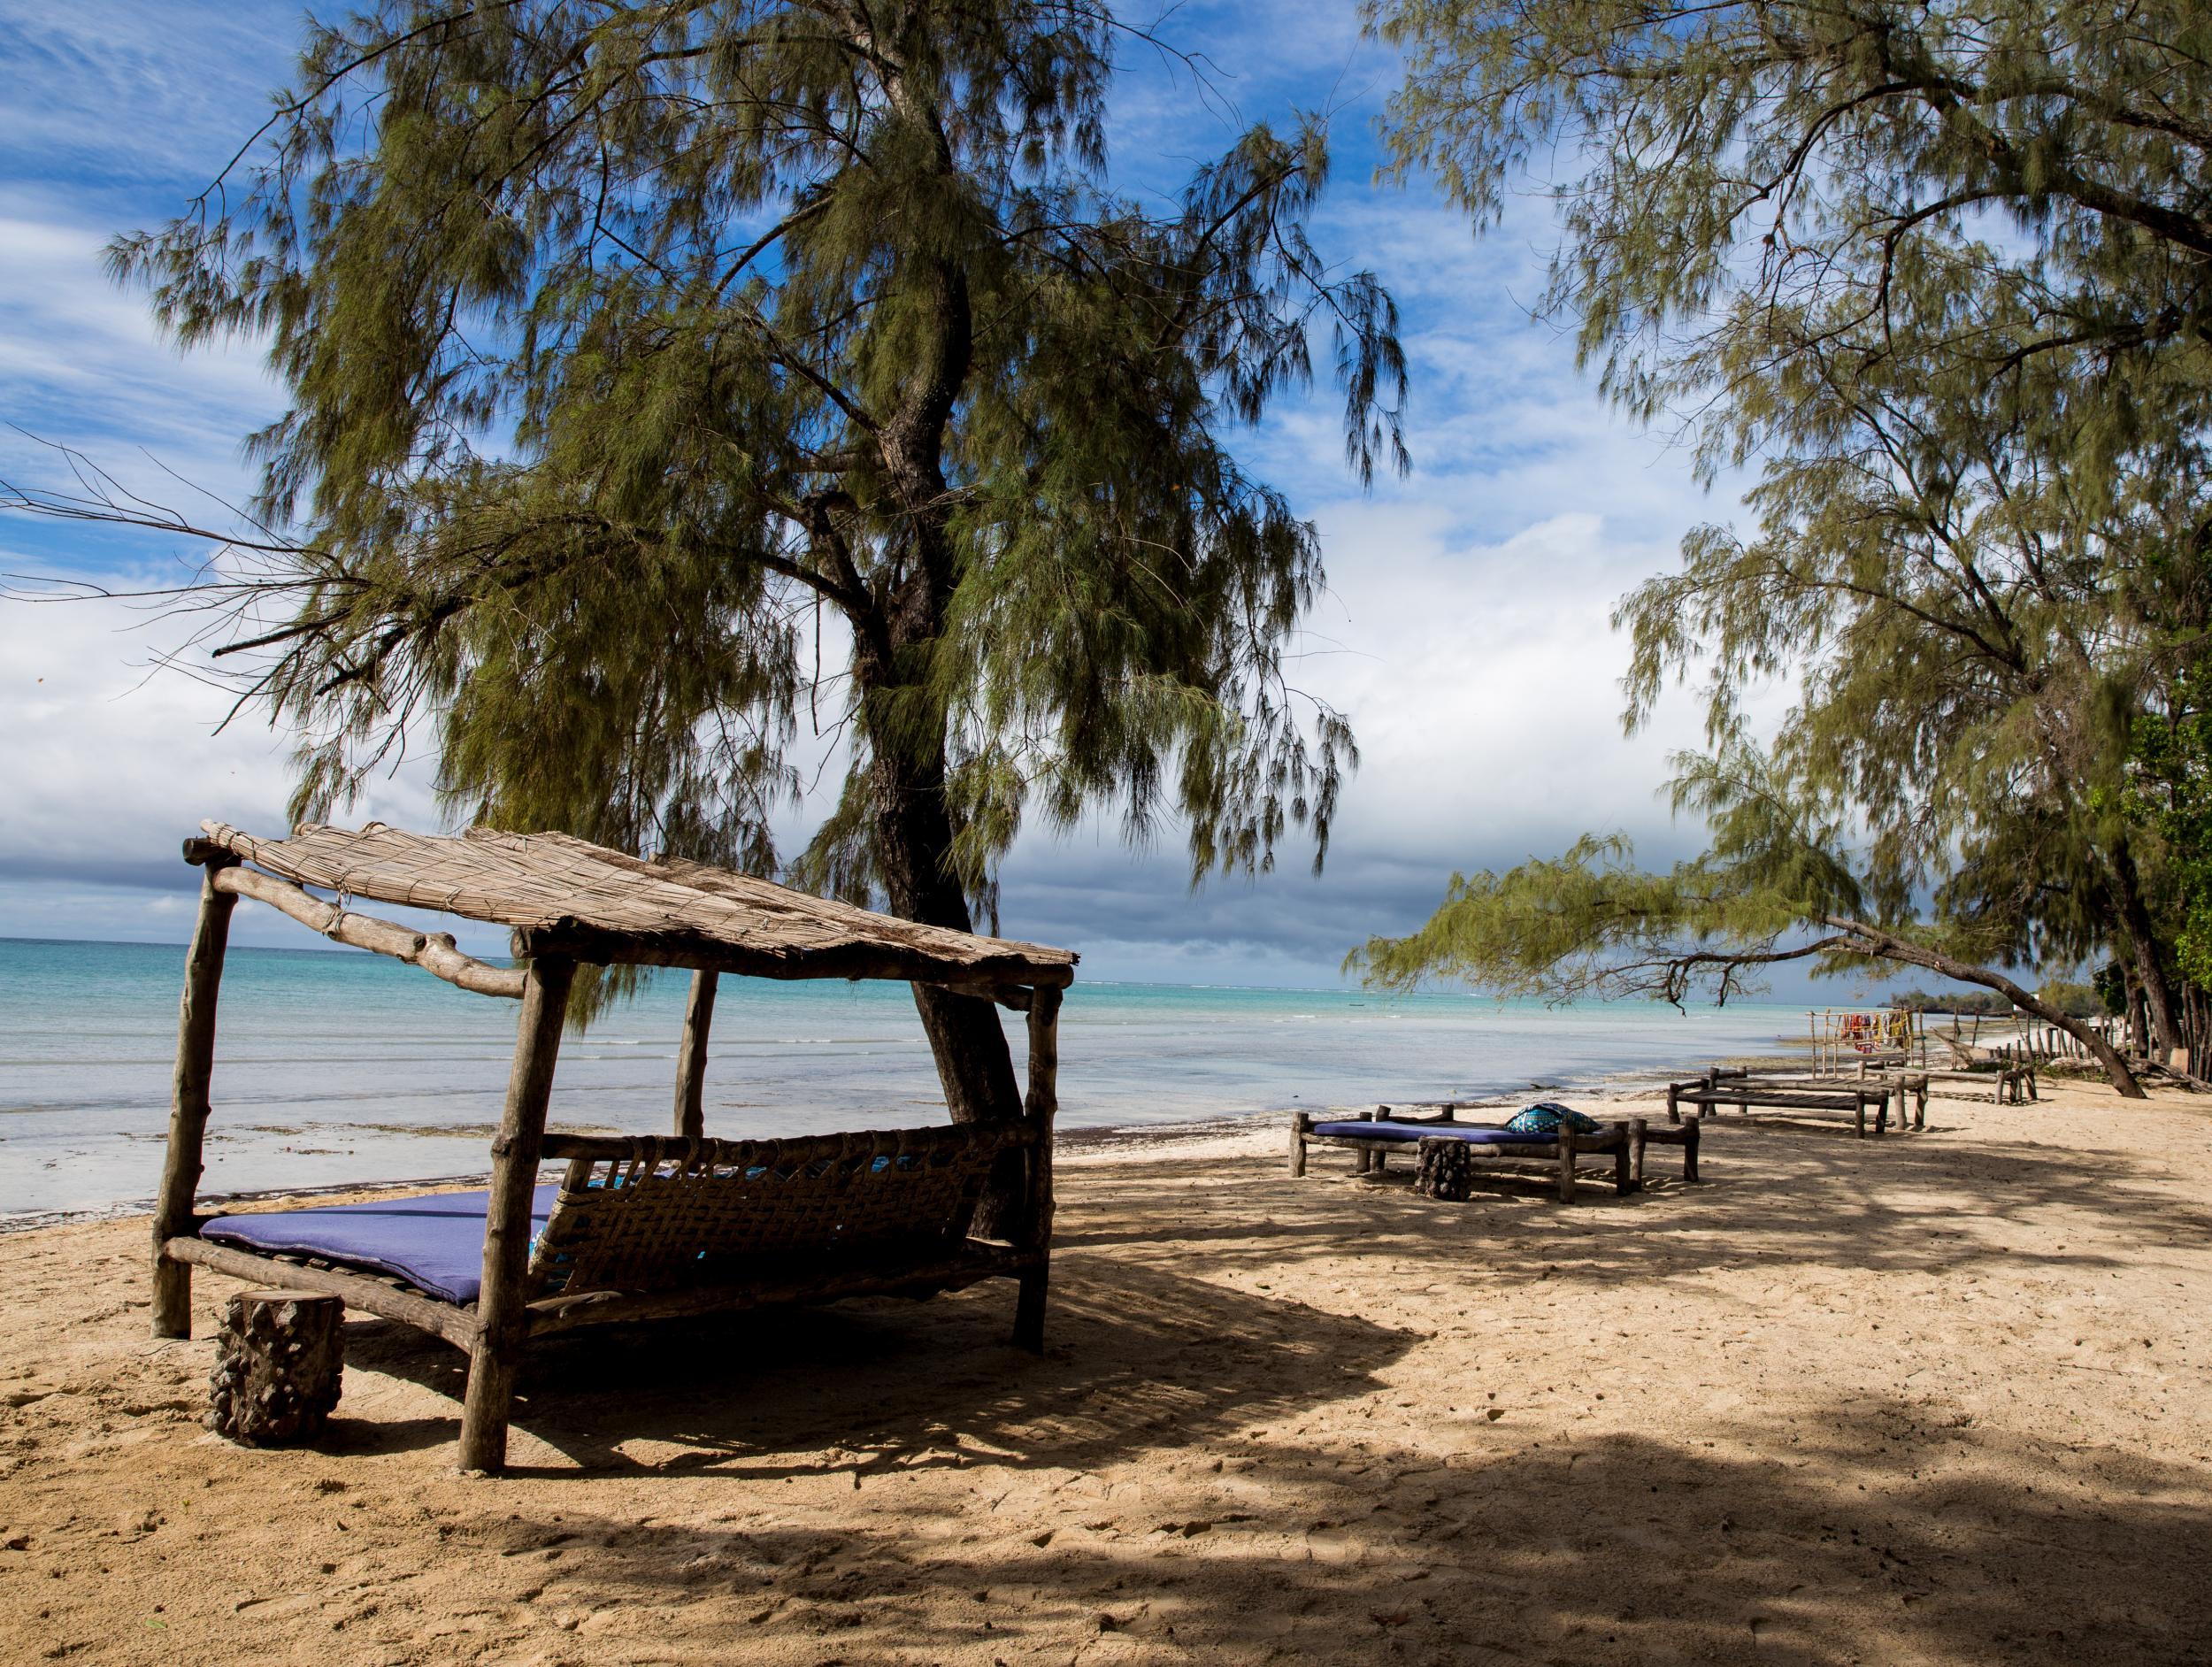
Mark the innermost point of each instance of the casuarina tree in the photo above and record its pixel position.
(1942, 277)
(662, 376)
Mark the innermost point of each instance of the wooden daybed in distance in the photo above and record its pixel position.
(1441, 1139)
(640, 1227)
(1739, 1087)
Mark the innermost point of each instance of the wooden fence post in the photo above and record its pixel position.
(173, 1215)
(501, 1320)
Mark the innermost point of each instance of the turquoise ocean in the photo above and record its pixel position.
(339, 1066)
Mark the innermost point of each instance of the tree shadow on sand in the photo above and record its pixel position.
(1782, 1193)
(1137, 1356)
(1631, 1548)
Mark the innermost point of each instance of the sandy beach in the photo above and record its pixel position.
(1932, 1398)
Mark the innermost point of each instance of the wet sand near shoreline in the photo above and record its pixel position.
(1931, 1398)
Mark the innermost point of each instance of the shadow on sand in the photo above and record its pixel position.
(1880, 1532)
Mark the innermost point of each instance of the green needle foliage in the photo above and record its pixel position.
(664, 373)
(1938, 274)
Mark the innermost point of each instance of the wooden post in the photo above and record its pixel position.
(1689, 1148)
(501, 1320)
(1300, 1122)
(1040, 1108)
(1566, 1164)
(691, 1058)
(1638, 1133)
(1623, 1179)
(173, 1215)
(1859, 1115)
(1674, 1102)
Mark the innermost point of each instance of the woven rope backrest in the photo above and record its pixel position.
(668, 1213)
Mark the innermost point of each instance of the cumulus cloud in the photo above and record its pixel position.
(1465, 635)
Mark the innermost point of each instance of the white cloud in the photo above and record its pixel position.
(1466, 635)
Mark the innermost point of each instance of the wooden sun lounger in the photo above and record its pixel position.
(1740, 1088)
(1623, 1141)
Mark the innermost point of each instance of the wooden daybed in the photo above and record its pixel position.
(1740, 1088)
(1372, 1136)
(640, 1227)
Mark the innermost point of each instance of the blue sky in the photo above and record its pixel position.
(1466, 635)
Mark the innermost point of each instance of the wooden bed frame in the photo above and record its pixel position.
(1742, 1089)
(1623, 1141)
(644, 1227)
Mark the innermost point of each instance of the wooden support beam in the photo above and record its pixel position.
(994, 978)
(691, 1059)
(189, 1099)
(1040, 1108)
(363, 1291)
(503, 1315)
(434, 952)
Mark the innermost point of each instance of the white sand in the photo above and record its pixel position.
(1936, 1398)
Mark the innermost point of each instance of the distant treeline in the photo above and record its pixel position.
(2076, 1000)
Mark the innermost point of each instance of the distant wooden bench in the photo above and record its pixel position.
(1372, 1136)
(2007, 1084)
(1740, 1088)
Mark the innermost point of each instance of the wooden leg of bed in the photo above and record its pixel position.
(1566, 1164)
(502, 1320)
(484, 1412)
(1624, 1169)
(1029, 1310)
(1689, 1148)
(1858, 1118)
(189, 1102)
(1297, 1143)
(1638, 1133)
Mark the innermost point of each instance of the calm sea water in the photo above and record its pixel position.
(342, 1066)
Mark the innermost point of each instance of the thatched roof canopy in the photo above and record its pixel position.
(566, 896)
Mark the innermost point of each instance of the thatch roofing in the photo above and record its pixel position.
(566, 896)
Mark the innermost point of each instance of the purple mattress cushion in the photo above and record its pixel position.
(1388, 1129)
(434, 1241)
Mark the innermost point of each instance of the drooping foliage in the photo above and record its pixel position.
(1939, 277)
(662, 374)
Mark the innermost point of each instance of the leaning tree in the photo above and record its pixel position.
(663, 374)
(1942, 277)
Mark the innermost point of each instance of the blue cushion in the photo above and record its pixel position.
(1386, 1129)
(434, 1241)
(1544, 1117)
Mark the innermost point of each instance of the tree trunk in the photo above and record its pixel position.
(2135, 915)
(906, 732)
(1874, 941)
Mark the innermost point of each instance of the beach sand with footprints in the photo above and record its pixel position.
(1937, 1397)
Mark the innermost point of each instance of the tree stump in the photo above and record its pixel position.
(278, 1363)
(1447, 1170)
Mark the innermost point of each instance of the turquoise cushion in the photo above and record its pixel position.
(1545, 1116)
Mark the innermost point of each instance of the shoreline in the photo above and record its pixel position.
(1079, 1144)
